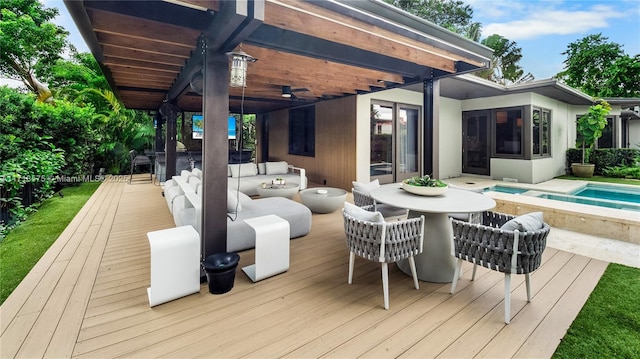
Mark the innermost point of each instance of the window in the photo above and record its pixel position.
(508, 126)
(302, 131)
(607, 139)
(541, 132)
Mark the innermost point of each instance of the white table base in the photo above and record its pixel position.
(175, 264)
(272, 247)
(435, 263)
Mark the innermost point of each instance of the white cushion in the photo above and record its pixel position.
(277, 168)
(233, 205)
(262, 170)
(197, 172)
(243, 169)
(527, 222)
(362, 214)
(366, 188)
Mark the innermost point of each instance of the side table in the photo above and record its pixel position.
(272, 247)
(175, 264)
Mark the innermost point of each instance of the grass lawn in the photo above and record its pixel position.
(25, 244)
(608, 326)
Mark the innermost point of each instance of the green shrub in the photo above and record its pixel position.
(613, 157)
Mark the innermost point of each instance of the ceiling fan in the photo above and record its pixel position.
(288, 92)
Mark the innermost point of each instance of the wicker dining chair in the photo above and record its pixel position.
(383, 242)
(364, 200)
(506, 251)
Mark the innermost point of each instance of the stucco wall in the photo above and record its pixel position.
(634, 134)
(450, 139)
(562, 137)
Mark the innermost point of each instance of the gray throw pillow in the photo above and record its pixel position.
(527, 222)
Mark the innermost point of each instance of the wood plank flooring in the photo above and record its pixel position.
(87, 298)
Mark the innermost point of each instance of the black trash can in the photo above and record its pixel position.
(220, 269)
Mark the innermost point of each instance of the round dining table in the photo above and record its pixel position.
(435, 263)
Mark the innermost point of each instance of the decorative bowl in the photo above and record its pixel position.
(424, 191)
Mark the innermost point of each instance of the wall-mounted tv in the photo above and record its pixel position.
(198, 125)
(197, 122)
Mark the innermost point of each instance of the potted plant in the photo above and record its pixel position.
(589, 128)
(425, 186)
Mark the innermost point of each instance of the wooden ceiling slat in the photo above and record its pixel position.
(131, 54)
(141, 65)
(341, 29)
(142, 73)
(146, 30)
(157, 85)
(143, 46)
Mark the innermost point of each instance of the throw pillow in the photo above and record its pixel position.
(366, 188)
(233, 205)
(243, 169)
(262, 169)
(527, 222)
(362, 214)
(277, 168)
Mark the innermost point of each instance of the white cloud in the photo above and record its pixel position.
(519, 20)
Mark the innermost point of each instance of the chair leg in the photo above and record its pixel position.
(412, 265)
(526, 279)
(385, 284)
(507, 297)
(473, 274)
(352, 258)
(456, 275)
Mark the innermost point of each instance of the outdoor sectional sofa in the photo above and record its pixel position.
(246, 177)
(186, 207)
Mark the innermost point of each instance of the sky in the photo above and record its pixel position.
(542, 29)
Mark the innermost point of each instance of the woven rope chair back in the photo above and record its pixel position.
(402, 239)
(487, 245)
(361, 199)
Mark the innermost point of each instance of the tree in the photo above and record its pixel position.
(30, 43)
(600, 68)
(504, 65)
(454, 15)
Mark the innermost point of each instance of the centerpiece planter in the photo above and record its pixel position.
(425, 186)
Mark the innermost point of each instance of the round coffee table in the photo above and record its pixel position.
(285, 190)
(320, 202)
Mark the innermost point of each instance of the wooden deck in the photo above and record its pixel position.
(87, 298)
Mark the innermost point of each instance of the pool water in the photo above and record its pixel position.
(610, 193)
(506, 189)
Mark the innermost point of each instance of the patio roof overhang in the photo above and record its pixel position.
(149, 50)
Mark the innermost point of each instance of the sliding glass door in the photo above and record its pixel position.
(395, 144)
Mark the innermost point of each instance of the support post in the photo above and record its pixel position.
(215, 152)
(170, 143)
(427, 100)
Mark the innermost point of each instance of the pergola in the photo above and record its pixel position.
(151, 52)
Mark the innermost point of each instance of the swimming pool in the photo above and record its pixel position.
(618, 197)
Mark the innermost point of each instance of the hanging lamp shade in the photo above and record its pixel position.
(238, 75)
